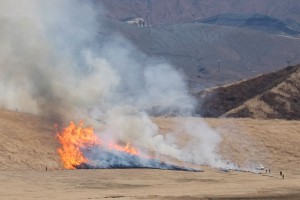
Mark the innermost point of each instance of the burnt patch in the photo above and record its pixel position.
(103, 159)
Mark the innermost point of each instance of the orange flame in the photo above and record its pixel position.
(127, 148)
(75, 138)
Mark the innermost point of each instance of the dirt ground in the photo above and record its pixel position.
(145, 184)
(28, 145)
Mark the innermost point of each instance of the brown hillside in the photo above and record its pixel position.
(273, 95)
(27, 142)
(273, 143)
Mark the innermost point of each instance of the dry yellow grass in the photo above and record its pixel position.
(273, 143)
(283, 103)
(28, 144)
(144, 184)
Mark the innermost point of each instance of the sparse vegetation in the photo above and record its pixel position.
(267, 96)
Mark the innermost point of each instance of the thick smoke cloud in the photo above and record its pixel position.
(55, 62)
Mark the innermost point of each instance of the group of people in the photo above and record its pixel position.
(280, 173)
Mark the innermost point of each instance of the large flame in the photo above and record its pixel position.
(75, 138)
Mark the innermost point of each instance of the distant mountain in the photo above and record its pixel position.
(179, 11)
(211, 55)
(256, 22)
(235, 39)
(269, 96)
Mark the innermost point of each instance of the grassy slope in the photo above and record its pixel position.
(273, 95)
(30, 143)
(27, 142)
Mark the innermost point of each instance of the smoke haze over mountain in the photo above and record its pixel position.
(53, 65)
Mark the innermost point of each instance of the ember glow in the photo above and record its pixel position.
(75, 139)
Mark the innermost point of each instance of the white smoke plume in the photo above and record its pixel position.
(55, 62)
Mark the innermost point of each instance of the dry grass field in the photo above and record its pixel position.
(28, 145)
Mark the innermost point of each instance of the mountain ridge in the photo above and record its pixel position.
(269, 96)
(255, 21)
(211, 55)
(179, 11)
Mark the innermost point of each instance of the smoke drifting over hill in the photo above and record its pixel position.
(52, 64)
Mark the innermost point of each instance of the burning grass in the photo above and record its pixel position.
(81, 148)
